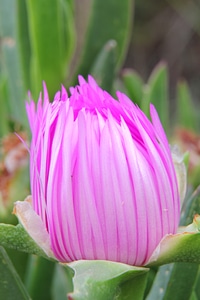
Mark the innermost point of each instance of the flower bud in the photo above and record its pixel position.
(102, 177)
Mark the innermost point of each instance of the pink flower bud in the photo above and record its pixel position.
(102, 177)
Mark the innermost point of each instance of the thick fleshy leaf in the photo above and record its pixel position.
(109, 20)
(197, 285)
(24, 41)
(4, 125)
(39, 277)
(11, 61)
(170, 282)
(186, 114)
(62, 282)
(11, 286)
(160, 283)
(103, 69)
(182, 247)
(50, 53)
(156, 92)
(134, 85)
(16, 237)
(107, 280)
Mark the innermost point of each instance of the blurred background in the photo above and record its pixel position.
(170, 31)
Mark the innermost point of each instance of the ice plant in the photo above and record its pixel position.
(103, 180)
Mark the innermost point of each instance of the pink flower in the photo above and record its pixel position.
(102, 177)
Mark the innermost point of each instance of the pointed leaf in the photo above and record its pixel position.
(11, 61)
(39, 277)
(24, 41)
(11, 286)
(62, 282)
(103, 69)
(156, 92)
(4, 121)
(109, 20)
(197, 285)
(48, 35)
(160, 283)
(186, 115)
(170, 282)
(134, 85)
(183, 287)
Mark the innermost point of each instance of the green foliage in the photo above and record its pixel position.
(39, 277)
(4, 119)
(11, 286)
(10, 70)
(156, 92)
(50, 30)
(174, 281)
(186, 115)
(103, 69)
(109, 20)
(134, 85)
(62, 282)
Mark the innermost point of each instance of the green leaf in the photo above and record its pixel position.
(156, 92)
(15, 237)
(103, 69)
(24, 41)
(194, 296)
(4, 122)
(62, 282)
(197, 285)
(183, 287)
(174, 281)
(68, 29)
(39, 277)
(134, 85)
(49, 37)
(186, 115)
(19, 260)
(11, 286)
(183, 247)
(160, 283)
(101, 280)
(109, 20)
(11, 61)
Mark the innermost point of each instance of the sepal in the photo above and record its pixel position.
(181, 247)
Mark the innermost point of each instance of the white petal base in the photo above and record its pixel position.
(33, 224)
